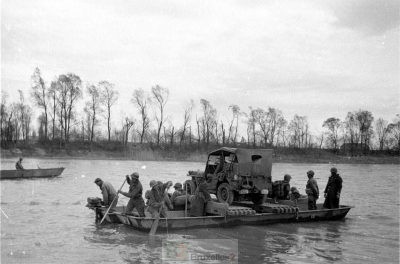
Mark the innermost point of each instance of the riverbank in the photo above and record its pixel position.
(305, 156)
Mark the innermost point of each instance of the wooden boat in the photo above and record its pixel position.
(177, 219)
(30, 173)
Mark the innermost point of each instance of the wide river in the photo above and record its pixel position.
(46, 221)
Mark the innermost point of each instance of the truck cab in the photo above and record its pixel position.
(234, 174)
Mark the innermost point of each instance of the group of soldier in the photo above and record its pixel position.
(157, 202)
(282, 190)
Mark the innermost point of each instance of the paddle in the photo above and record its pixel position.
(154, 226)
(104, 217)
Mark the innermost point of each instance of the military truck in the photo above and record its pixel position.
(235, 174)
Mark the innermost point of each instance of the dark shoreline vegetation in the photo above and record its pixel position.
(148, 152)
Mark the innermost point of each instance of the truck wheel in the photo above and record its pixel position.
(225, 193)
(191, 186)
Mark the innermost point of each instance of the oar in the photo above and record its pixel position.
(154, 226)
(104, 217)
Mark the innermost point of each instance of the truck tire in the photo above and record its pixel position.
(225, 193)
(191, 186)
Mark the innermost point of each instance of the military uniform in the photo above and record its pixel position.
(332, 191)
(156, 200)
(135, 195)
(312, 193)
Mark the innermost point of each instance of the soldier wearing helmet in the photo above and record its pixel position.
(312, 191)
(135, 194)
(332, 190)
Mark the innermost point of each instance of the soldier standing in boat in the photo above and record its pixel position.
(156, 200)
(332, 190)
(135, 195)
(108, 192)
(18, 165)
(312, 191)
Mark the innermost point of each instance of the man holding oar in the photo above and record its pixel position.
(108, 192)
(135, 194)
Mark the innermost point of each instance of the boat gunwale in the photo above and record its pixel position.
(341, 208)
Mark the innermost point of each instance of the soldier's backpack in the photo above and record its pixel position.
(278, 189)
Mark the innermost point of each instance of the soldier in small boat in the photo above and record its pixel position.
(155, 201)
(312, 191)
(281, 189)
(200, 199)
(294, 195)
(18, 165)
(167, 199)
(135, 194)
(178, 191)
(332, 190)
(108, 192)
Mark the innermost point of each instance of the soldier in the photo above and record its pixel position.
(135, 194)
(108, 192)
(332, 190)
(178, 191)
(294, 195)
(312, 191)
(281, 189)
(156, 200)
(18, 165)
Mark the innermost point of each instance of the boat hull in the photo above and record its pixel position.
(32, 173)
(176, 219)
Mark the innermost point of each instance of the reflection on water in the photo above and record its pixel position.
(47, 221)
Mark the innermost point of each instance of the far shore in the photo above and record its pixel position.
(149, 155)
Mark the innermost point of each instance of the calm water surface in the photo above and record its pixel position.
(46, 221)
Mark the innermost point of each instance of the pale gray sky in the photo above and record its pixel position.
(312, 58)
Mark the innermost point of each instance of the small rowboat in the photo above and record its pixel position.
(177, 219)
(30, 173)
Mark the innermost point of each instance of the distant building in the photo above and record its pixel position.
(353, 149)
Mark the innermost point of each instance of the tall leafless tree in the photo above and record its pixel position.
(333, 124)
(382, 131)
(141, 101)
(160, 96)
(69, 91)
(187, 114)
(109, 97)
(93, 108)
(39, 94)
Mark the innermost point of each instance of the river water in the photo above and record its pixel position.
(46, 221)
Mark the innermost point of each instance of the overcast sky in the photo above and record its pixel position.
(312, 58)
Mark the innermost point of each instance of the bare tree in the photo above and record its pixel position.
(187, 114)
(93, 108)
(233, 129)
(208, 120)
(68, 91)
(109, 97)
(352, 135)
(160, 96)
(365, 120)
(394, 132)
(333, 124)
(299, 131)
(127, 126)
(251, 126)
(382, 131)
(39, 94)
(141, 101)
(52, 95)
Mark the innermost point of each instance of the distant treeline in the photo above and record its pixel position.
(61, 122)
